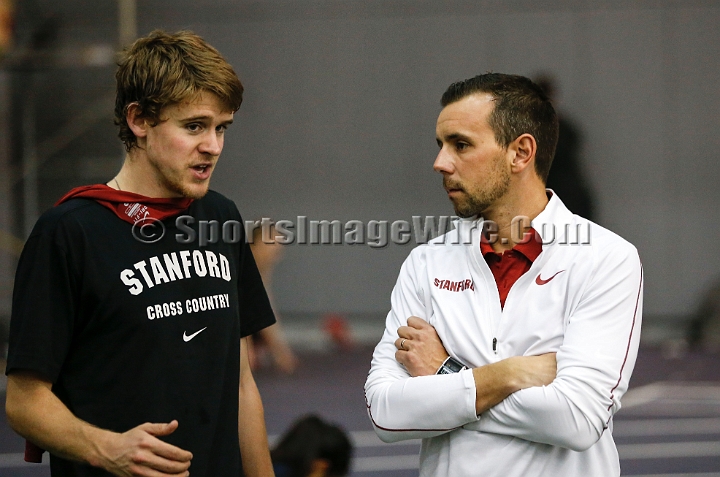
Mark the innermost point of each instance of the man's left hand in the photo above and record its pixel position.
(419, 347)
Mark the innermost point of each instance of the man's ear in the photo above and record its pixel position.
(525, 148)
(136, 122)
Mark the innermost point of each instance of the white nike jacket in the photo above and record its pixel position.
(581, 298)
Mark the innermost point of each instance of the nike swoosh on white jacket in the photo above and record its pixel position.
(590, 315)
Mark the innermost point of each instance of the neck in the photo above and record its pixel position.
(514, 212)
(139, 177)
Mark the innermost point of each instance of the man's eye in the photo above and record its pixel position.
(221, 129)
(193, 127)
(461, 146)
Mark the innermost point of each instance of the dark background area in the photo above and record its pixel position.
(341, 99)
(339, 116)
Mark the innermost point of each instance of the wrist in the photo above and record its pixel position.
(493, 383)
(505, 377)
(450, 366)
(99, 441)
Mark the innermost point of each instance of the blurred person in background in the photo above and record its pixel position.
(128, 345)
(270, 340)
(7, 10)
(703, 332)
(312, 448)
(567, 177)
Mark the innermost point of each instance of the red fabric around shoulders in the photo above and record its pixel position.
(129, 206)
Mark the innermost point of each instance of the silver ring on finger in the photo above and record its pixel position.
(402, 344)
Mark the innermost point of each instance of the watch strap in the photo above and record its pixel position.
(450, 366)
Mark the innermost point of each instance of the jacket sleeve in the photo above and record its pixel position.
(402, 407)
(594, 363)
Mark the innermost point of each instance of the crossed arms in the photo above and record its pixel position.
(523, 396)
(422, 353)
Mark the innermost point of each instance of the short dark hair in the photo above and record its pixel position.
(162, 69)
(521, 107)
(312, 438)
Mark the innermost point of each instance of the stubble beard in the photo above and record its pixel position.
(480, 197)
(172, 180)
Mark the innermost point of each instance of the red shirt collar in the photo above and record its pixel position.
(530, 249)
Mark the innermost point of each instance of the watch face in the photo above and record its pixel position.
(451, 365)
(454, 365)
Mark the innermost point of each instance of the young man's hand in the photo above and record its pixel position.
(139, 452)
(37, 414)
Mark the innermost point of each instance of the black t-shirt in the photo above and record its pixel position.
(131, 332)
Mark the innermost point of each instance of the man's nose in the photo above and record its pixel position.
(443, 162)
(212, 144)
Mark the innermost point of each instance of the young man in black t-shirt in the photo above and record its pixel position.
(133, 298)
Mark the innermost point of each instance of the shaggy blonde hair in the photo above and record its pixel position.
(162, 69)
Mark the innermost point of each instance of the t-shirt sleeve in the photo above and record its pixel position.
(44, 303)
(255, 310)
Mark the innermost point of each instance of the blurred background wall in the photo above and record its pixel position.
(339, 115)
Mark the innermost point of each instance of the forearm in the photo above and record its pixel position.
(35, 413)
(594, 365)
(251, 426)
(547, 416)
(492, 385)
(570, 410)
(497, 381)
(253, 436)
(402, 407)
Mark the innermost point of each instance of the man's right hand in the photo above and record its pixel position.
(139, 452)
(494, 382)
(37, 414)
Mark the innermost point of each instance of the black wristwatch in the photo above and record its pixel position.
(450, 366)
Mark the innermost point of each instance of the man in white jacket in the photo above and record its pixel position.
(512, 338)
